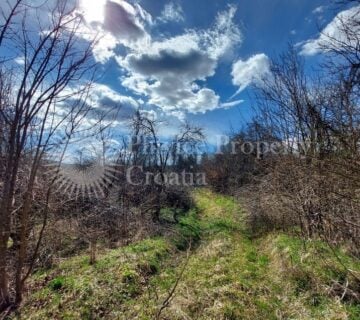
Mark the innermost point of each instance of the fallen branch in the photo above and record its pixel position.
(171, 294)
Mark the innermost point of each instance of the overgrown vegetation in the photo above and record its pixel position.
(121, 231)
(227, 275)
(296, 163)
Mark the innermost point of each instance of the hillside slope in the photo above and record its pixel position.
(224, 275)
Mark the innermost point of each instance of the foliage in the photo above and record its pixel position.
(228, 275)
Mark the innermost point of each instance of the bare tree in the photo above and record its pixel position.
(158, 156)
(37, 104)
(312, 180)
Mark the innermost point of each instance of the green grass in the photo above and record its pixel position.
(76, 290)
(227, 276)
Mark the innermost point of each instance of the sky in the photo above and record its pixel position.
(196, 60)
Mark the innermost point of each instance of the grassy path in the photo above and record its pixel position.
(227, 276)
(230, 276)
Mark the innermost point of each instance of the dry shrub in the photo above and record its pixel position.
(308, 195)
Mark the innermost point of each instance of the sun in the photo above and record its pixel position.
(94, 11)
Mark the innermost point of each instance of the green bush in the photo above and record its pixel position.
(57, 283)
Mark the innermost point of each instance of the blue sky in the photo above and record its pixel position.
(260, 27)
(196, 60)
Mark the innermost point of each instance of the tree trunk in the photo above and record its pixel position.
(4, 281)
(22, 253)
(5, 226)
(9, 181)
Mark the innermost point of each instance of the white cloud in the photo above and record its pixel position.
(181, 43)
(108, 101)
(231, 104)
(104, 48)
(143, 14)
(189, 66)
(334, 31)
(250, 71)
(319, 10)
(181, 115)
(20, 61)
(114, 22)
(222, 38)
(149, 114)
(170, 73)
(93, 12)
(102, 101)
(102, 93)
(124, 21)
(172, 12)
